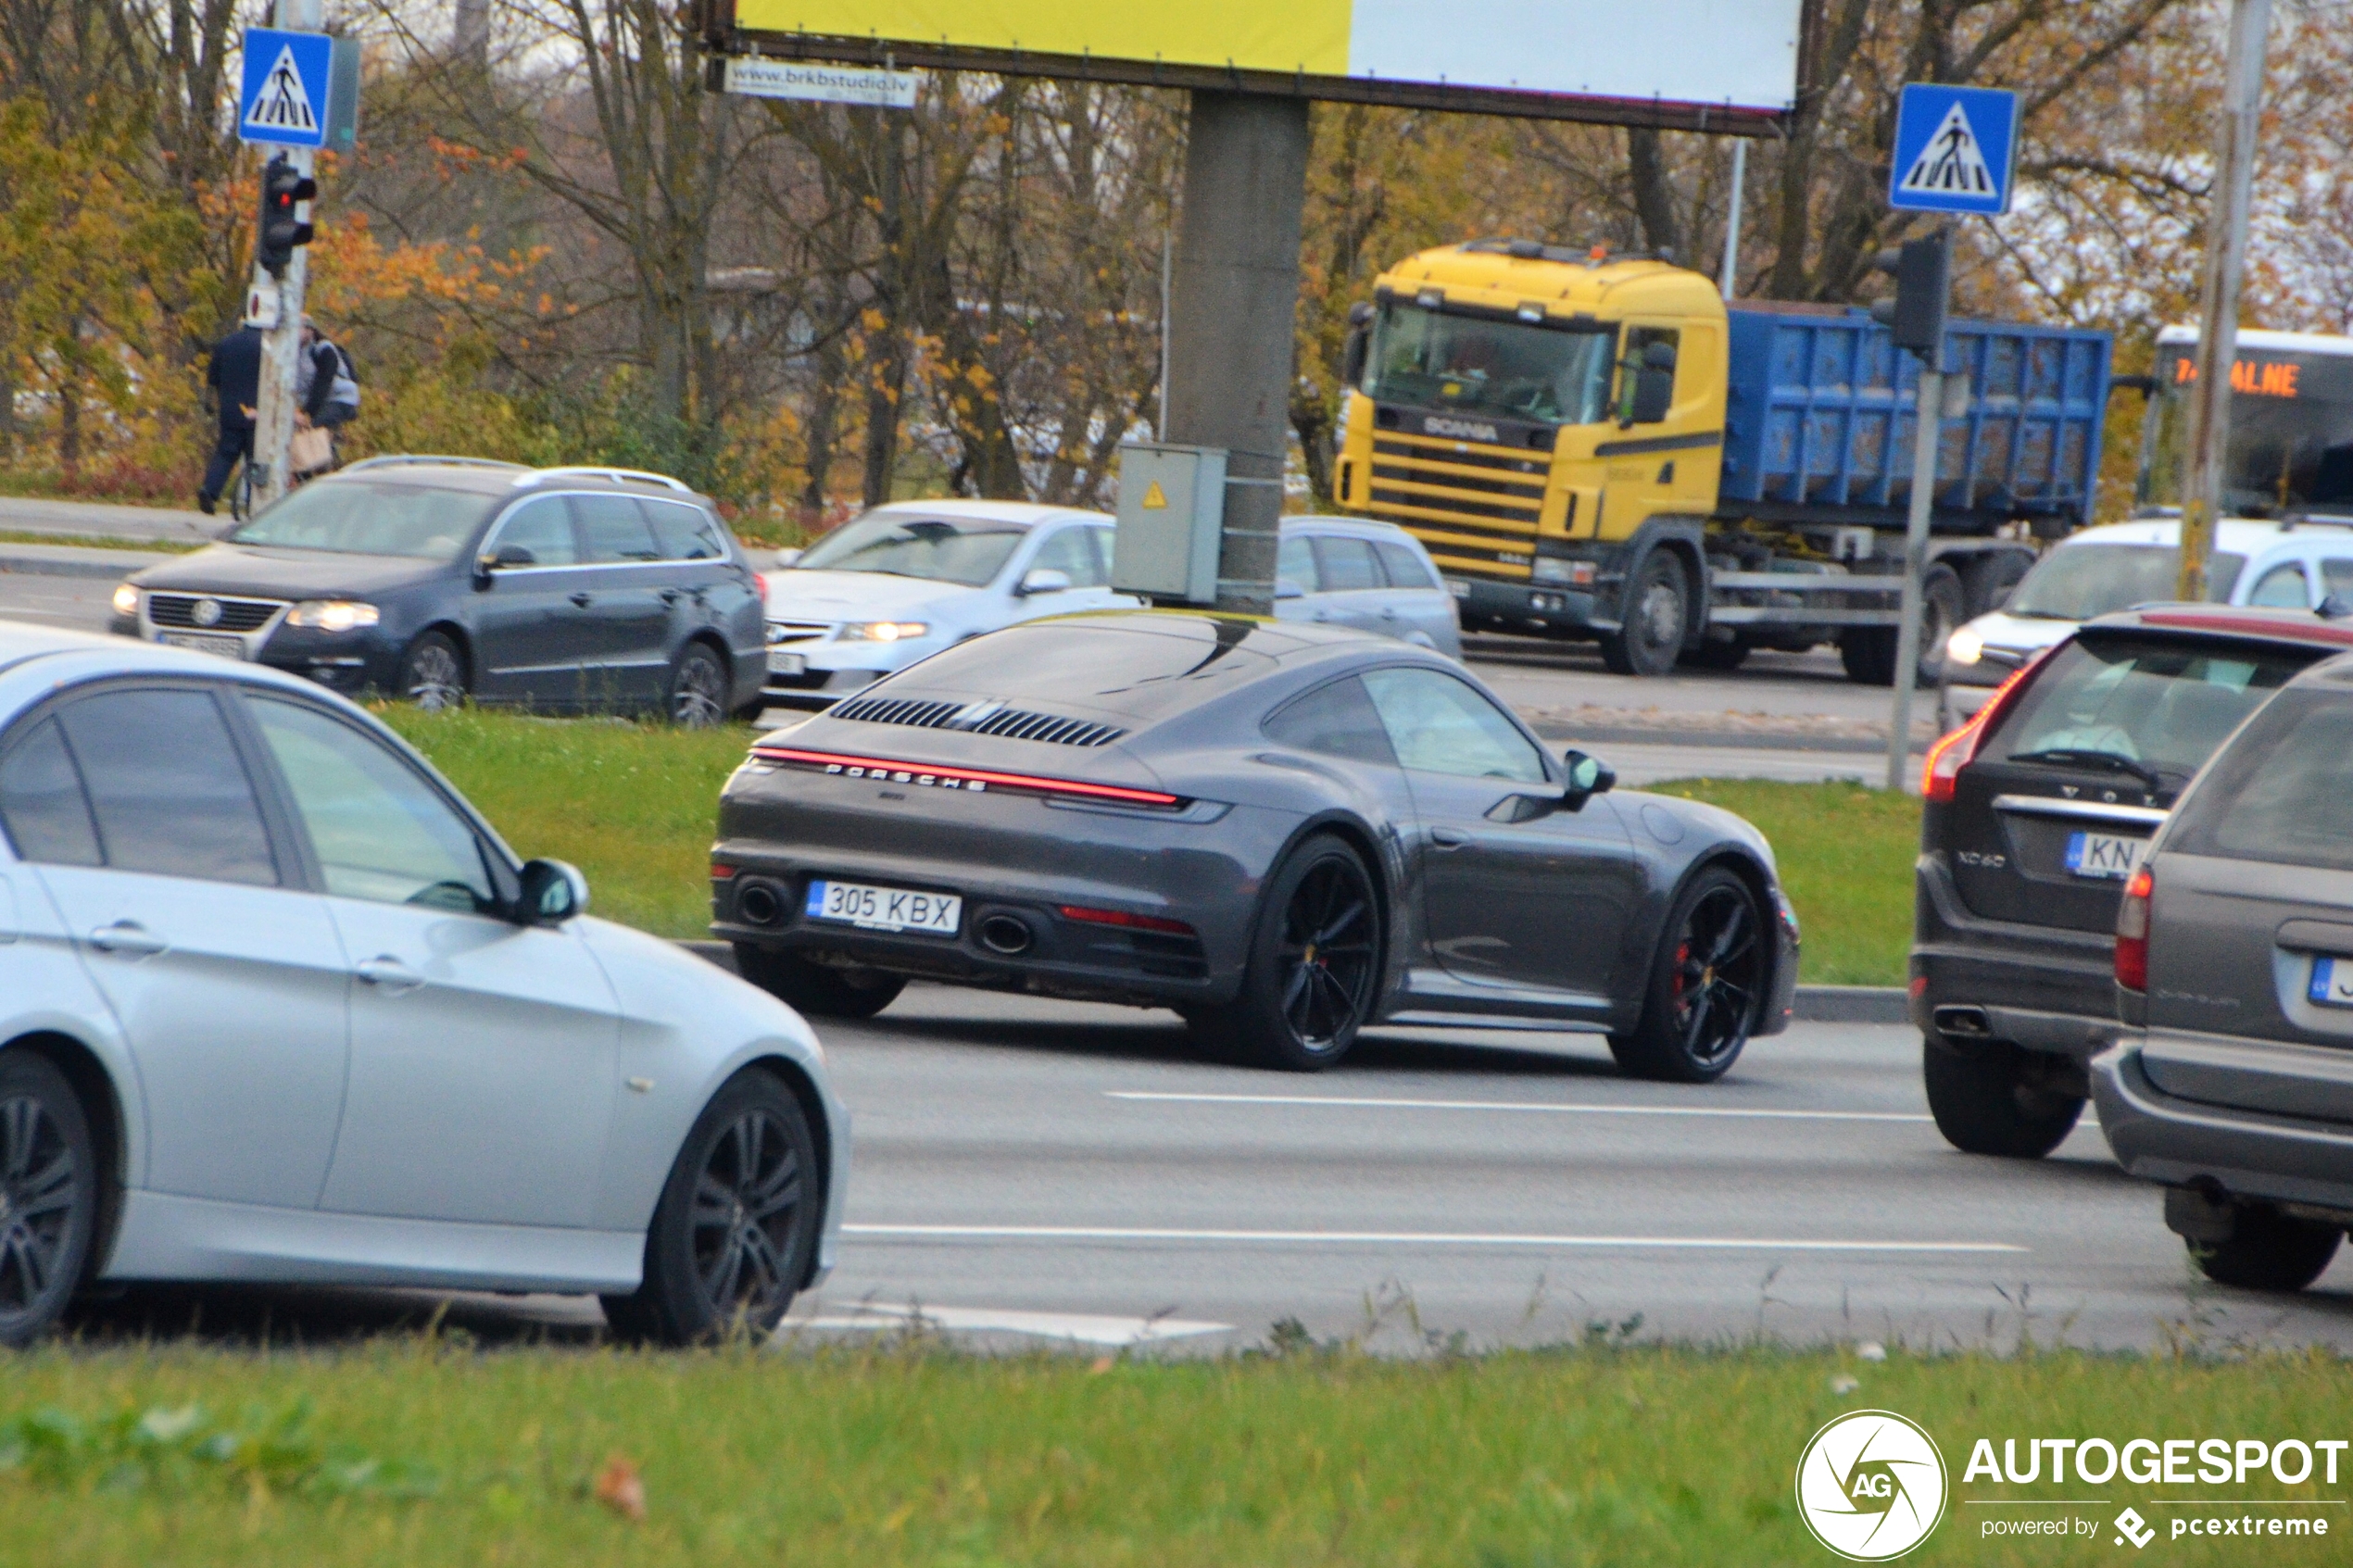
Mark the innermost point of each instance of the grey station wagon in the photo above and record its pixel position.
(443, 579)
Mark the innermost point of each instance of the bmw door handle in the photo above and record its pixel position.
(1449, 838)
(129, 938)
(582, 600)
(388, 975)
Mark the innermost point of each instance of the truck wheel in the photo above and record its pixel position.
(1987, 580)
(1658, 608)
(2267, 1250)
(1983, 1104)
(1868, 652)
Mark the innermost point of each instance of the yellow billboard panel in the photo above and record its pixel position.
(1677, 62)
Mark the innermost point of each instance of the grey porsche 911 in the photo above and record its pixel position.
(1285, 833)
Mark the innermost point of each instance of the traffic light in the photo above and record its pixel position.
(282, 188)
(1923, 270)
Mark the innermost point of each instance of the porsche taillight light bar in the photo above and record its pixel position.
(977, 779)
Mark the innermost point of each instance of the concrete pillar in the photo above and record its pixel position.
(1233, 299)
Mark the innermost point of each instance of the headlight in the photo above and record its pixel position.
(1965, 646)
(883, 631)
(126, 600)
(332, 615)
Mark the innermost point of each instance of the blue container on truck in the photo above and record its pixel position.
(1818, 422)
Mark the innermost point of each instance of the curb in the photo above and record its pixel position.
(1815, 1004)
(53, 560)
(1852, 1004)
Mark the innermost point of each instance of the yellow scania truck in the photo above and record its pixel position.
(1596, 448)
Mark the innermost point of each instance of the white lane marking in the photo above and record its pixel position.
(1522, 1105)
(1086, 1328)
(1412, 1238)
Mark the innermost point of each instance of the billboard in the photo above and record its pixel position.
(1725, 65)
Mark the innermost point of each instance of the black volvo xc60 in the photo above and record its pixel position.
(443, 579)
(1284, 832)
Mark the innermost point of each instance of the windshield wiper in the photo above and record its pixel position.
(2107, 762)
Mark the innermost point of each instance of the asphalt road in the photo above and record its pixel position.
(1033, 1173)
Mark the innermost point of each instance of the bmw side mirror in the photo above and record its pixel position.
(1287, 589)
(1588, 776)
(552, 893)
(786, 558)
(1042, 579)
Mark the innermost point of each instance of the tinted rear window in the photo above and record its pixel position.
(1145, 669)
(2160, 703)
(2282, 792)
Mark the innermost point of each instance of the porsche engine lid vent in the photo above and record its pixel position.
(979, 718)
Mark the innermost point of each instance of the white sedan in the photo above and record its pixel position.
(907, 579)
(277, 1005)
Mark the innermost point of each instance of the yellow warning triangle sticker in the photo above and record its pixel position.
(1156, 498)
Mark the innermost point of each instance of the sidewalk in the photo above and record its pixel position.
(105, 520)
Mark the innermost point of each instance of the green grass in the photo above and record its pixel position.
(1845, 855)
(97, 542)
(633, 806)
(418, 1452)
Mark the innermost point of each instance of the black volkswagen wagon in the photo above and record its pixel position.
(443, 579)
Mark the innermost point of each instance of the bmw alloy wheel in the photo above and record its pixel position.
(48, 1195)
(746, 1202)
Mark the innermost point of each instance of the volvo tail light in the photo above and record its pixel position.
(1950, 754)
(2133, 931)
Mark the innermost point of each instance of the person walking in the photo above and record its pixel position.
(232, 379)
(326, 398)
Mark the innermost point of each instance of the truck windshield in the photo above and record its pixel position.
(2078, 581)
(2290, 449)
(1516, 369)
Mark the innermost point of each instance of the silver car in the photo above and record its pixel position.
(277, 1005)
(1371, 576)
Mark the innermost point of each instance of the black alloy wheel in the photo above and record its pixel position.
(1657, 612)
(433, 673)
(817, 989)
(48, 1195)
(1706, 987)
(734, 1234)
(1315, 961)
(698, 690)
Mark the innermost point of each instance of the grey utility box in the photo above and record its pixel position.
(1172, 503)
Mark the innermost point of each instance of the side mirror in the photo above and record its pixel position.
(507, 555)
(1287, 589)
(553, 892)
(1352, 355)
(1042, 579)
(1653, 392)
(787, 557)
(1588, 776)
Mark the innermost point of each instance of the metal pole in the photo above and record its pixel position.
(1160, 426)
(282, 345)
(1233, 307)
(2218, 291)
(1930, 421)
(1729, 275)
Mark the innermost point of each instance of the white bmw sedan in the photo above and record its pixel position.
(277, 1005)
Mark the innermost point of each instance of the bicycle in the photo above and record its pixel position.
(240, 493)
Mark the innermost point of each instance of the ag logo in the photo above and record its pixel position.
(1871, 1485)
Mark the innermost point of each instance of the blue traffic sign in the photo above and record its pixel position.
(286, 82)
(1956, 149)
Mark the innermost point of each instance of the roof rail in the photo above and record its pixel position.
(618, 476)
(398, 460)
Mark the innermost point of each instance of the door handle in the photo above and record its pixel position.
(1449, 838)
(388, 974)
(582, 600)
(128, 936)
(670, 595)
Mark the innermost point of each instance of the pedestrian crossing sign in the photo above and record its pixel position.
(285, 97)
(1956, 149)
